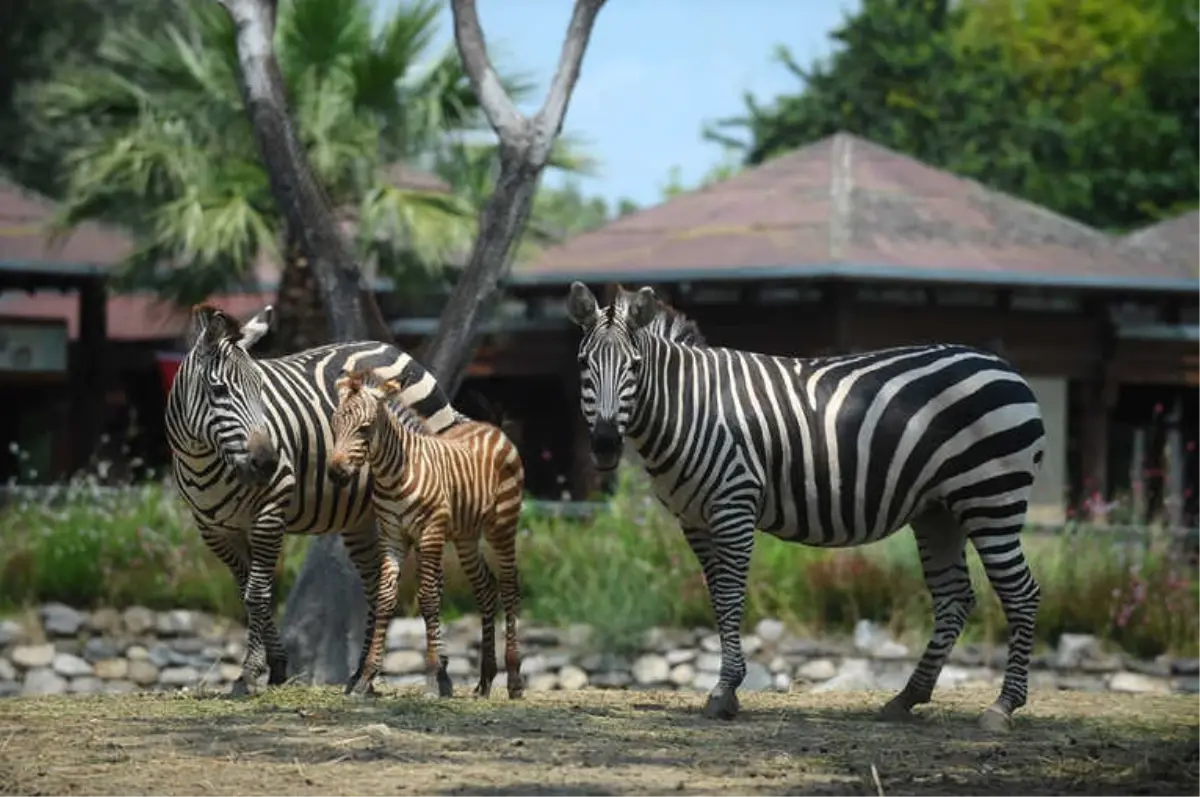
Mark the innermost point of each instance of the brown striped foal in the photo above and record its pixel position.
(459, 486)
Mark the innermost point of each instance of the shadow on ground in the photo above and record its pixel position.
(299, 741)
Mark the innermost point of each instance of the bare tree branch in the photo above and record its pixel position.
(502, 114)
(525, 147)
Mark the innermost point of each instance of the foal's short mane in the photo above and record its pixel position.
(669, 323)
(409, 418)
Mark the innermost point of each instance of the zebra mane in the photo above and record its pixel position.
(668, 323)
(365, 377)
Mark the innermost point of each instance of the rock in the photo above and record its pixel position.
(970, 655)
(119, 687)
(1126, 681)
(682, 674)
(651, 669)
(751, 644)
(7, 671)
(71, 666)
(406, 632)
(85, 686)
(1080, 683)
(769, 630)
(572, 678)
(542, 682)
(952, 676)
(160, 655)
(10, 688)
(1111, 662)
(58, 619)
(1185, 667)
(405, 681)
(188, 646)
(758, 677)
(43, 681)
(603, 662)
(137, 653)
(708, 662)
(611, 679)
(138, 620)
(1187, 685)
(782, 682)
(557, 659)
(178, 676)
(234, 651)
(780, 664)
(865, 635)
(890, 649)
(816, 670)
(99, 647)
(227, 672)
(539, 637)
(403, 662)
(1074, 649)
(578, 635)
(11, 632)
(532, 665)
(854, 675)
(458, 667)
(681, 656)
(105, 621)
(711, 643)
(705, 681)
(142, 672)
(875, 641)
(112, 669)
(30, 657)
(179, 622)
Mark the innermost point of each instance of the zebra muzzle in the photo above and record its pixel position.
(606, 444)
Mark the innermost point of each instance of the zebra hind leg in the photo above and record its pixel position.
(1008, 572)
(484, 586)
(942, 545)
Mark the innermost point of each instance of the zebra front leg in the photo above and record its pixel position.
(1020, 595)
(366, 551)
(383, 606)
(232, 548)
(724, 554)
(505, 546)
(484, 586)
(429, 598)
(264, 652)
(942, 545)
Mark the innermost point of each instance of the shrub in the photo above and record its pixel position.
(623, 571)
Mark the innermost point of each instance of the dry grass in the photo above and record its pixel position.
(298, 741)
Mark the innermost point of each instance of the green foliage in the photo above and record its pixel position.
(623, 572)
(1089, 111)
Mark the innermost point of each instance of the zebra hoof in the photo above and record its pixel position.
(239, 688)
(895, 711)
(721, 705)
(994, 720)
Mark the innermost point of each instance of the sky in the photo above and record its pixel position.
(654, 73)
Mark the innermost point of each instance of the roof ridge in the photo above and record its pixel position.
(841, 185)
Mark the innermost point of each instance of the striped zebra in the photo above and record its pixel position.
(462, 485)
(831, 452)
(249, 442)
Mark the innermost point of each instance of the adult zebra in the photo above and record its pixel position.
(250, 439)
(832, 452)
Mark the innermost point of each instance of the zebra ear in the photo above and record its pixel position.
(210, 326)
(254, 329)
(643, 307)
(581, 306)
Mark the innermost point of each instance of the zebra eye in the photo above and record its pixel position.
(583, 360)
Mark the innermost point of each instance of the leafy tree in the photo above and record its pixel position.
(1081, 132)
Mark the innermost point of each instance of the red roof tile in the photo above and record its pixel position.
(846, 206)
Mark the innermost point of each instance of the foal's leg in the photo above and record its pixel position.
(942, 544)
(429, 597)
(484, 586)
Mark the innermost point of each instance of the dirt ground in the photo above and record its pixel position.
(299, 741)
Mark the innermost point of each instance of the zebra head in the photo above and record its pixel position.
(610, 363)
(360, 400)
(224, 392)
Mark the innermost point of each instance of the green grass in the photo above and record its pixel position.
(624, 571)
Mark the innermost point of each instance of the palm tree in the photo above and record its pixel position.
(170, 153)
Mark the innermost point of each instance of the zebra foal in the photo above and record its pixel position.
(832, 452)
(460, 486)
(249, 440)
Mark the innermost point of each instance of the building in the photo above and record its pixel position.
(838, 246)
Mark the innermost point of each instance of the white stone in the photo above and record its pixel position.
(705, 681)
(758, 678)
(651, 669)
(71, 666)
(783, 682)
(1126, 681)
(708, 662)
(112, 669)
(406, 632)
(58, 619)
(681, 656)
(7, 671)
(890, 649)
(458, 667)
(138, 620)
(854, 675)
(952, 676)
(404, 662)
(816, 670)
(229, 672)
(178, 676)
(769, 630)
(119, 687)
(31, 657)
(137, 653)
(85, 686)
(751, 644)
(682, 674)
(10, 631)
(1074, 649)
(571, 678)
(142, 672)
(43, 681)
(541, 682)
(711, 643)
(532, 665)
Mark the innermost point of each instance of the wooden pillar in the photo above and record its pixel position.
(89, 372)
(583, 480)
(1099, 397)
(1173, 476)
(1137, 475)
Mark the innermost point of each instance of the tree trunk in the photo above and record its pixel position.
(300, 318)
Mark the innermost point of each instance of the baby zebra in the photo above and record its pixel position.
(461, 485)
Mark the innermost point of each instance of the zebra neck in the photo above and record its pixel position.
(661, 378)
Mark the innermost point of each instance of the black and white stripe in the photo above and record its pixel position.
(831, 452)
(250, 440)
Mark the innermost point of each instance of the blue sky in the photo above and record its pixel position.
(655, 72)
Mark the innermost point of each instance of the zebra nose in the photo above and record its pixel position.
(606, 438)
